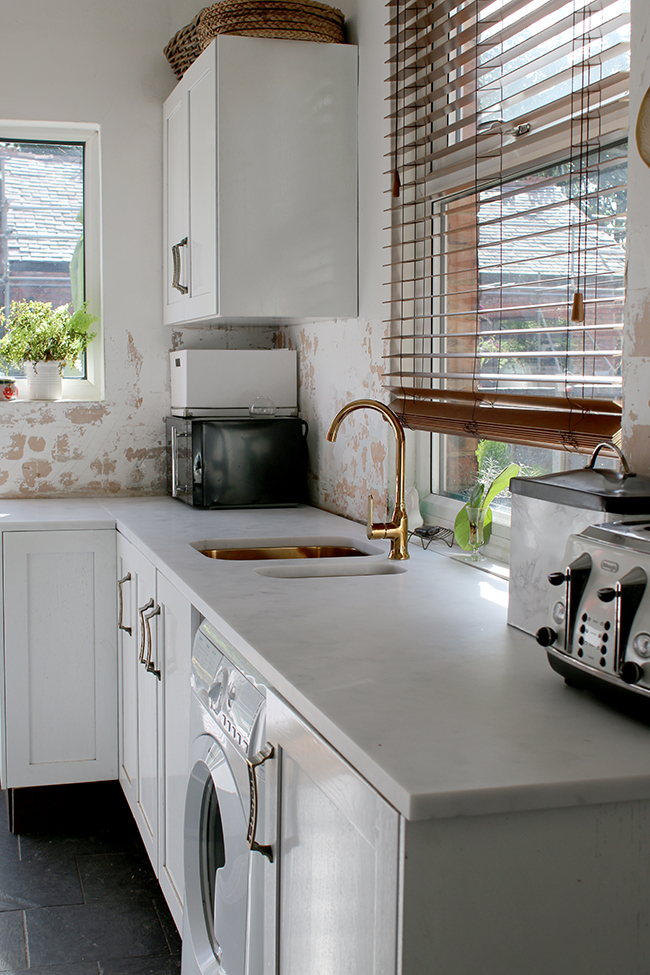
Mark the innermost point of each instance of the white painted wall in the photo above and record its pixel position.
(342, 360)
(101, 61)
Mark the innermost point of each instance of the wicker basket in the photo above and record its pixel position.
(303, 20)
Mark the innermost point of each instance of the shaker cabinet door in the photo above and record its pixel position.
(139, 691)
(60, 657)
(260, 183)
(337, 857)
(175, 646)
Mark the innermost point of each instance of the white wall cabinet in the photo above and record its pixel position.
(155, 624)
(336, 850)
(59, 721)
(260, 175)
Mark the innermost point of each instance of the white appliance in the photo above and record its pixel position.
(227, 872)
(228, 382)
(546, 510)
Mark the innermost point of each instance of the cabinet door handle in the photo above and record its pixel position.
(176, 258)
(120, 616)
(259, 759)
(141, 611)
(148, 663)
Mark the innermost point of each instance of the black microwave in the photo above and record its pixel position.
(237, 463)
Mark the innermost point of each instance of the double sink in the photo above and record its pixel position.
(302, 558)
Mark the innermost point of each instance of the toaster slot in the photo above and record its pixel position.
(628, 593)
(577, 577)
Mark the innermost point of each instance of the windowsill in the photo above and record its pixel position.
(439, 510)
(74, 391)
(492, 565)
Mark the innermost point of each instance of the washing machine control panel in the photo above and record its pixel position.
(236, 704)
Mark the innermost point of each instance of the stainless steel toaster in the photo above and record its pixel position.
(598, 631)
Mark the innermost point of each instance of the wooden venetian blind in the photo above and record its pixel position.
(509, 160)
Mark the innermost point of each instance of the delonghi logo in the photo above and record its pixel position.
(609, 566)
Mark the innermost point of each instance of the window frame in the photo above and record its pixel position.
(92, 388)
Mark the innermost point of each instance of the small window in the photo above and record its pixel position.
(42, 233)
(50, 230)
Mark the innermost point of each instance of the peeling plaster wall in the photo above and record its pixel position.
(95, 61)
(636, 349)
(342, 360)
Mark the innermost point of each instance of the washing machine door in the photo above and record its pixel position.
(216, 861)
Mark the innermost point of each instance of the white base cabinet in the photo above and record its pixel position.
(59, 720)
(336, 852)
(155, 626)
(260, 177)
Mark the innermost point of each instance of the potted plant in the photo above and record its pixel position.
(45, 339)
(473, 524)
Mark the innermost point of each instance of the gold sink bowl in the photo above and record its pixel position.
(294, 558)
(283, 552)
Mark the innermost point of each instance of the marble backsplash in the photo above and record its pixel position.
(538, 536)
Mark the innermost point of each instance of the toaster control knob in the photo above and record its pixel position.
(556, 578)
(631, 673)
(606, 595)
(546, 636)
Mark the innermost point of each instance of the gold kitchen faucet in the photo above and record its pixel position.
(397, 528)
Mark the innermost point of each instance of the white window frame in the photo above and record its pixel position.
(90, 389)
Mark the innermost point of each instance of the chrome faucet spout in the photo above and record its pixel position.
(396, 530)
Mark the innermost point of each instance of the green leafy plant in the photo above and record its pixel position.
(36, 332)
(482, 497)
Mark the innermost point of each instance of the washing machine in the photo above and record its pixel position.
(229, 875)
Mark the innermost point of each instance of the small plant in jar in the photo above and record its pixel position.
(473, 524)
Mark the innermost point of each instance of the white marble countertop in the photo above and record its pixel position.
(415, 678)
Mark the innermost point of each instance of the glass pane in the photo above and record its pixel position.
(41, 226)
(465, 461)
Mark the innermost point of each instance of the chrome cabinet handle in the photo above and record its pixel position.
(148, 663)
(120, 615)
(141, 611)
(259, 759)
(176, 257)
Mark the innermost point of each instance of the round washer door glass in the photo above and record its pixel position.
(216, 864)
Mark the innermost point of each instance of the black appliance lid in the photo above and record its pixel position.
(619, 492)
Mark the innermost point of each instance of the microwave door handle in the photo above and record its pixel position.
(175, 435)
(174, 459)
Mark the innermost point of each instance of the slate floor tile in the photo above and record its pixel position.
(174, 942)
(122, 840)
(84, 968)
(152, 965)
(115, 876)
(12, 942)
(61, 935)
(39, 883)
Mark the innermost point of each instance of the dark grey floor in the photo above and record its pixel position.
(82, 904)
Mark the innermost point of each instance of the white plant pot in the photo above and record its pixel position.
(43, 380)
